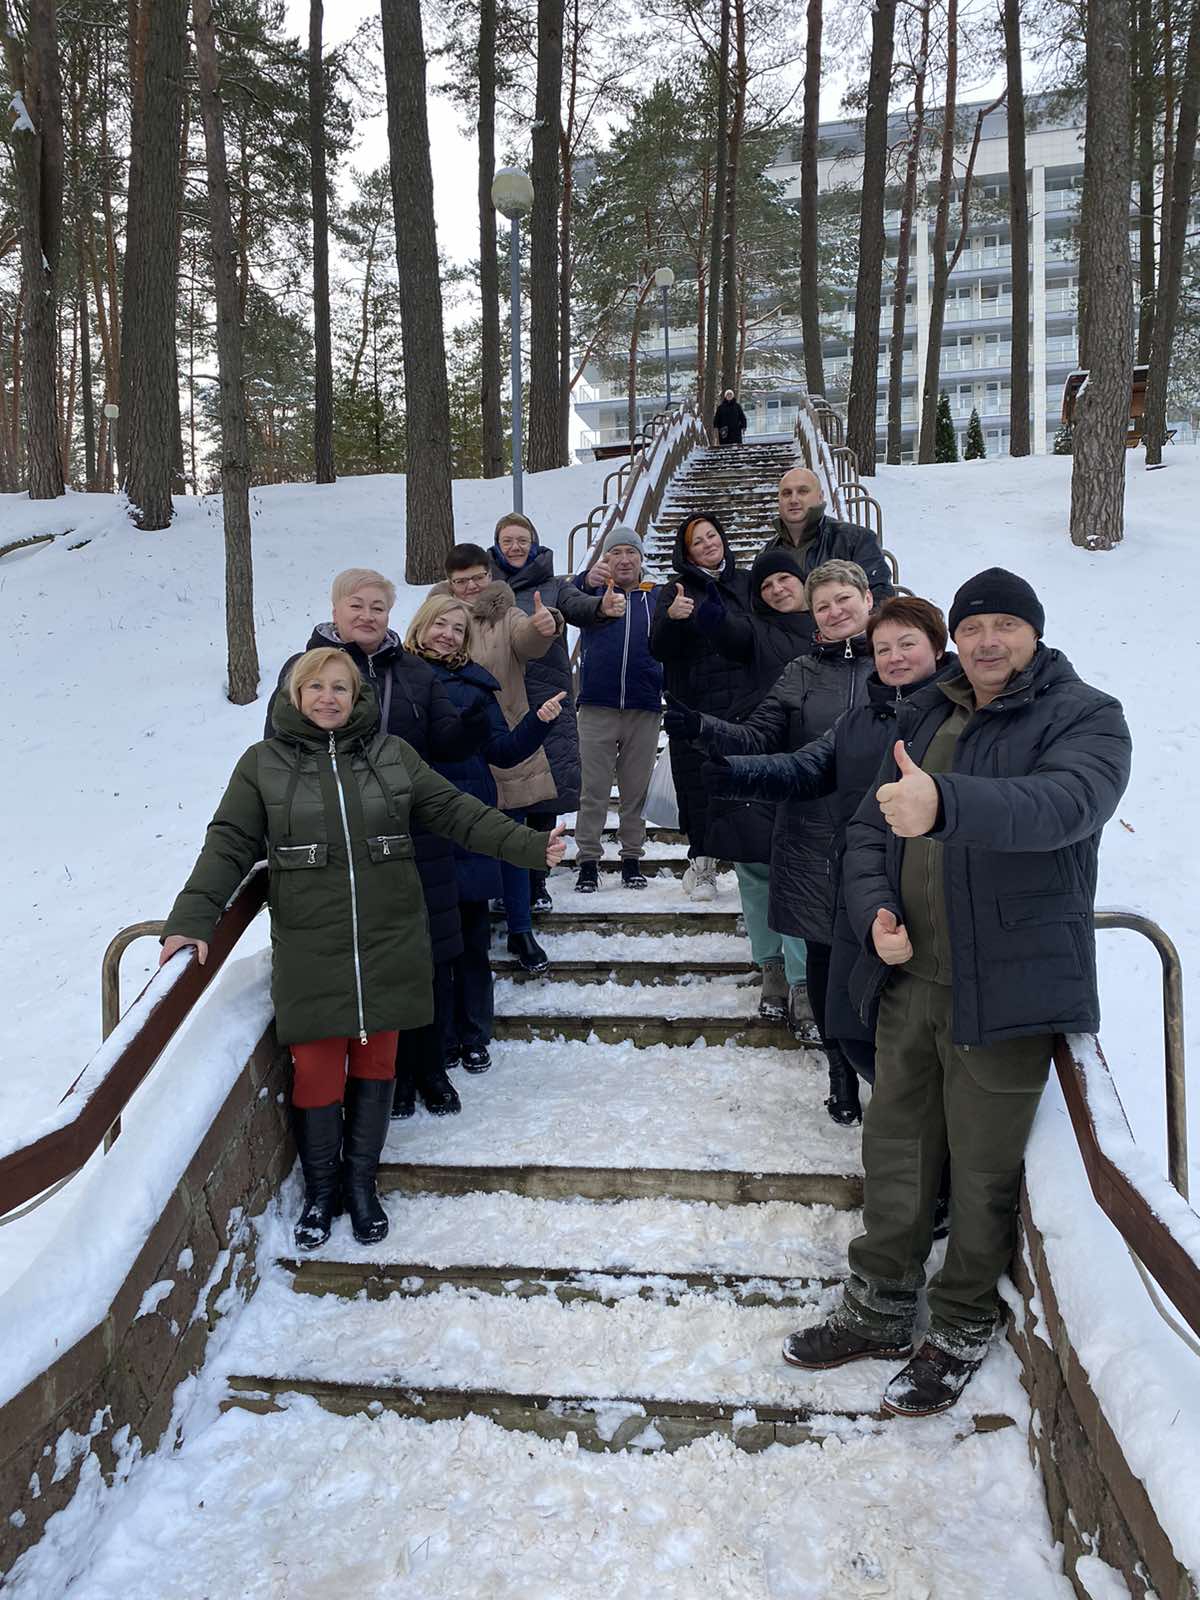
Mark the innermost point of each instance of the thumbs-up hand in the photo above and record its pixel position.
(542, 619)
(890, 938)
(556, 845)
(598, 575)
(613, 603)
(681, 606)
(909, 806)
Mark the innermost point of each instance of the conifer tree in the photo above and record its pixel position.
(975, 449)
(945, 440)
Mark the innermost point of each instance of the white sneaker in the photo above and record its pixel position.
(704, 880)
(688, 881)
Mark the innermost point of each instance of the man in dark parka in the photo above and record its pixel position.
(970, 879)
(805, 528)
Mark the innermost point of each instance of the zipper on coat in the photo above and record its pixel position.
(362, 1021)
(625, 655)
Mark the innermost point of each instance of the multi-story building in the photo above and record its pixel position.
(976, 359)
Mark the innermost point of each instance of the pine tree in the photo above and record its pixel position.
(975, 449)
(945, 440)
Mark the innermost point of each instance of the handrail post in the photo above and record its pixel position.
(110, 991)
(1173, 1048)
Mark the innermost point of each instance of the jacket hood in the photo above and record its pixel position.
(683, 563)
(490, 604)
(537, 569)
(884, 695)
(290, 724)
(325, 634)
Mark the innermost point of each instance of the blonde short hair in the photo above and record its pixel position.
(314, 661)
(356, 578)
(835, 572)
(430, 609)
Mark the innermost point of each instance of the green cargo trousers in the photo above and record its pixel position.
(931, 1096)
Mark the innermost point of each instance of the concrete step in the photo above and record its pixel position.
(653, 974)
(602, 1425)
(645, 1033)
(540, 1181)
(379, 1279)
(688, 919)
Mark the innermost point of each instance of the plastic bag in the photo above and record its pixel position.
(661, 808)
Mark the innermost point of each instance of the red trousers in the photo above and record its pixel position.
(320, 1075)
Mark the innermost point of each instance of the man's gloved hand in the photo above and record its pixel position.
(716, 773)
(710, 613)
(680, 721)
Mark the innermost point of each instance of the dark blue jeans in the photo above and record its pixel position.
(516, 891)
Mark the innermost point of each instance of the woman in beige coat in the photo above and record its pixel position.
(504, 641)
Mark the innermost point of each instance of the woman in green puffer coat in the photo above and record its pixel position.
(330, 801)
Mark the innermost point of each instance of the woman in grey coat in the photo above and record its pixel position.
(811, 693)
(517, 558)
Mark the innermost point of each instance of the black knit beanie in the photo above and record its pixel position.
(997, 590)
(772, 561)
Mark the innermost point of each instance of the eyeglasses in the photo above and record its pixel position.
(468, 582)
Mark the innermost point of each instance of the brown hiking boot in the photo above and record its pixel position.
(931, 1382)
(834, 1343)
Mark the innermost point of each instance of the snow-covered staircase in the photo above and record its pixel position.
(739, 483)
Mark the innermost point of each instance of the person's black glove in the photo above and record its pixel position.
(710, 613)
(716, 773)
(680, 721)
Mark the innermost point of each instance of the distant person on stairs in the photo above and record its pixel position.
(704, 575)
(970, 879)
(805, 527)
(440, 633)
(517, 559)
(504, 641)
(809, 696)
(333, 803)
(620, 705)
(729, 420)
(415, 707)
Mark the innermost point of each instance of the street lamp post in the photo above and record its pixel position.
(112, 411)
(663, 279)
(512, 196)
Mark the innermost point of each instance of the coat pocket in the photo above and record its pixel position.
(1029, 910)
(385, 847)
(298, 857)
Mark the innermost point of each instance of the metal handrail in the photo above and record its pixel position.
(110, 990)
(846, 462)
(1173, 1048)
(33, 1170)
(854, 494)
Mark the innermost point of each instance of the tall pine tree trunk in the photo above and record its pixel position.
(1018, 211)
(149, 392)
(543, 446)
(566, 218)
(322, 334)
(810, 298)
(908, 205)
(235, 445)
(37, 147)
(864, 365)
(708, 397)
(428, 495)
(489, 267)
(1142, 60)
(729, 247)
(941, 267)
(1173, 246)
(1102, 407)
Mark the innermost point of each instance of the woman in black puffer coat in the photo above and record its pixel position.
(812, 692)
(518, 559)
(415, 707)
(704, 569)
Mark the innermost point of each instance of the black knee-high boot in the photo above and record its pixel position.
(318, 1131)
(843, 1104)
(368, 1106)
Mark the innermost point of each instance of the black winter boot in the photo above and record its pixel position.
(931, 1382)
(632, 876)
(843, 1104)
(438, 1094)
(539, 895)
(587, 880)
(368, 1103)
(835, 1342)
(528, 952)
(318, 1131)
(404, 1097)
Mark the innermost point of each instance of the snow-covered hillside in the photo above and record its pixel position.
(120, 738)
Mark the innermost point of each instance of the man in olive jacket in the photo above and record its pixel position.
(970, 877)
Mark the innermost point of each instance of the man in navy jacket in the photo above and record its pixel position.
(620, 704)
(970, 876)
